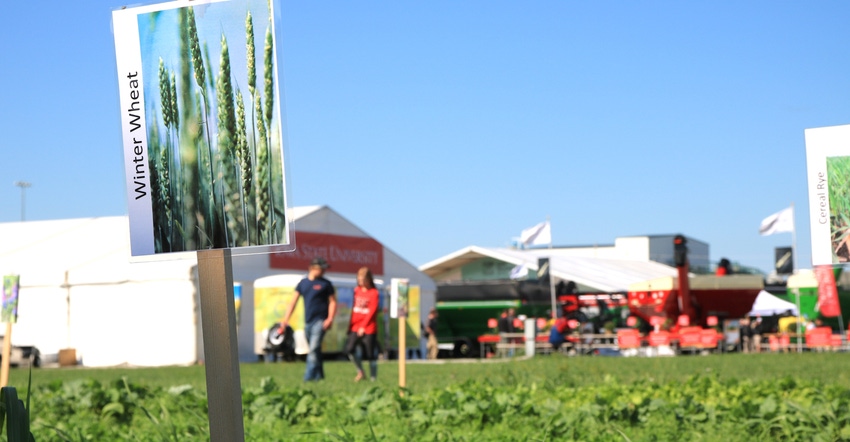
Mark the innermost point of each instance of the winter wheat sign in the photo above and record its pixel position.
(201, 126)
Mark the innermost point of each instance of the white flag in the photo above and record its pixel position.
(520, 271)
(537, 235)
(782, 221)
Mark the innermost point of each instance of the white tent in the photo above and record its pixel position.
(590, 273)
(79, 289)
(768, 305)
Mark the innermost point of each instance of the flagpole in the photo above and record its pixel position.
(531, 236)
(793, 240)
(793, 271)
(552, 273)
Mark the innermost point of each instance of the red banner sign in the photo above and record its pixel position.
(827, 292)
(345, 254)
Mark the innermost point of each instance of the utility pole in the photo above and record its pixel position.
(23, 185)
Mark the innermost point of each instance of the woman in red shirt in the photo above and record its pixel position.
(364, 323)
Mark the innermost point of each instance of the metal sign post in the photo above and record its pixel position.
(218, 317)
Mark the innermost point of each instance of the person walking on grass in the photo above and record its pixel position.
(363, 330)
(319, 311)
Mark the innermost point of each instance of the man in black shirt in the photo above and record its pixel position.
(319, 312)
(506, 321)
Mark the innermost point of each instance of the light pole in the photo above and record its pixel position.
(23, 185)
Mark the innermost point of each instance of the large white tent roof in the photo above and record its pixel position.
(97, 250)
(79, 289)
(603, 274)
(78, 251)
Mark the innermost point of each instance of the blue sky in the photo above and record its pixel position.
(437, 125)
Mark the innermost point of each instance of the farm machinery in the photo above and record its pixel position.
(691, 300)
(683, 302)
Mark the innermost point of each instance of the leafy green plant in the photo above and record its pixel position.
(731, 397)
(14, 414)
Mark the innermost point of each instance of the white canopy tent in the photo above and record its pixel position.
(79, 289)
(590, 273)
(769, 305)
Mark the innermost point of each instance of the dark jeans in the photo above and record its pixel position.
(369, 344)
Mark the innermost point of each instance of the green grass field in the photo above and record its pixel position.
(575, 371)
(719, 397)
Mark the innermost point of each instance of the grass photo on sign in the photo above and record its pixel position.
(838, 182)
(214, 134)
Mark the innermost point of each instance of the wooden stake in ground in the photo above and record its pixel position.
(8, 314)
(402, 355)
(398, 309)
(7, 354)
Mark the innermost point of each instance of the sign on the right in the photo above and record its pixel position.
(828, 174)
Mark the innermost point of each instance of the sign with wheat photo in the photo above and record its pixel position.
(202, 126)
(11, 289)
(828, 174)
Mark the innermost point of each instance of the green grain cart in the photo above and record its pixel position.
(469, 310)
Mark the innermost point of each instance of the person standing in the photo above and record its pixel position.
(431, 334)
(363, 330)
(506, 325)
(757, 330)
(746, 331)
(558, 333)
(724, 268)
(319, 310)
(506, 321)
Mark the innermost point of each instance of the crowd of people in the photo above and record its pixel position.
(753, 331)
(750, 332)
(320, 305)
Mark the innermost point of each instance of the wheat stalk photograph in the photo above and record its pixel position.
(214, 140)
